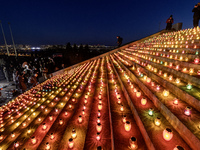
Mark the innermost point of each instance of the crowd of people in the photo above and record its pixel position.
(26, 73)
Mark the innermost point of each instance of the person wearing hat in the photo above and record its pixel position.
(169, 22)
(196, 15)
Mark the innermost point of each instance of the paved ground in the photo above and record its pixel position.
(7, 91)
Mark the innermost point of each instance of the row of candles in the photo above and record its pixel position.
(167, 133)
(169, 64)
(187, 110)
(168, 55)
(155, 70)
(71, 141)
(127, 124)
(50, 117)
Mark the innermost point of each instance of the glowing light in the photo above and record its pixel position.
(52, 136)
(150, 112)
(50, 117)
(133, 143)
(61, 122)
(16, 144)
(71, 143)
(158, 87)
(196, 60)
(127, 126)
(177, 80)
(167, 134)
(47, 147)
(157, 121)
(187, 111)
(99, 113)
(143, 101)
(80, 119)
(98, 120)
(99, 127)
(189, 86)
(73, 134)
(100, 106)
(175, 101)
(122, 108)
(98, 136)
(44, 127)
(33, 140)
(124, 119)
(166, 93)
(138, 94)
(12, 135)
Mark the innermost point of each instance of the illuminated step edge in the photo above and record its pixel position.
(134, 112)
(184, 132)
(185, 77)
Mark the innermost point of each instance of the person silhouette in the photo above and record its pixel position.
(119, 41)
(169, 22)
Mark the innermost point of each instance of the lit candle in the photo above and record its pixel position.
(16, 144)
(122, 108)
(44, 127)
(74, 135)
(52, 136)
(99, 113)
(98, 136)
(47, 147)
(99, 127)
(189, 86)
(60, 121)
(187, 111)
(167, 134)
(100, 106)
(157, 121)
(133, 143)
(127, 126)
(196, 60)
(177, 80)
(150, 112)
(33, 140)
(138, 94)
(158, 87)
(98, 120)
(12, 135)
(124, 119)
(175, 101)
(166, 93)
(71, 143)
(80, 119)
(143, 101)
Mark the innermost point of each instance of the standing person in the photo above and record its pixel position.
(5, 73)
(196, 15)
(169, 22)
(22, 85)
(119, 41)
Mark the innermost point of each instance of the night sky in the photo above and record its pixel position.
(40, 22)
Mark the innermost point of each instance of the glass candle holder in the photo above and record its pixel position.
(167, 134)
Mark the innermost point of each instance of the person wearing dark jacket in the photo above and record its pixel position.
(169, 22)
(196, 15)
(119, 41)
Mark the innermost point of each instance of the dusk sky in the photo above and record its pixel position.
(89, 21)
